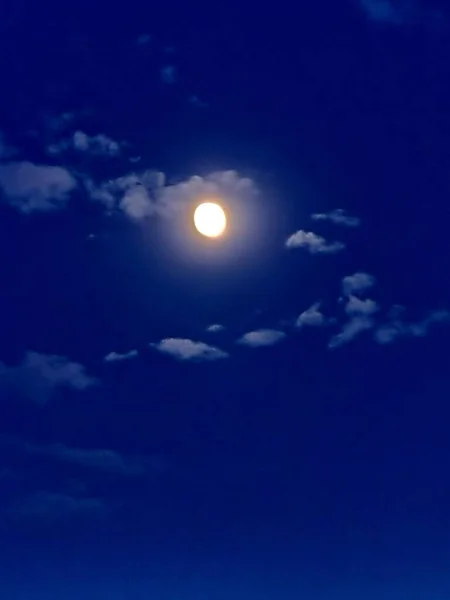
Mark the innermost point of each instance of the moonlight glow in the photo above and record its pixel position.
(210, 219)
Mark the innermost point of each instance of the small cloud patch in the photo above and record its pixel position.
(36, 188)
(315, 244)
(338, 217)
(188, 350)
(262, 337)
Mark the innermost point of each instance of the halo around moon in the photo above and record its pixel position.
(210, 219)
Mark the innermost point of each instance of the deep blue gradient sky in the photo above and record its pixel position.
(300, 448)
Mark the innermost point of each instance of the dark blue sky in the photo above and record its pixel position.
(263, 415)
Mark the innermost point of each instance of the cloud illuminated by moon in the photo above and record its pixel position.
(210, 219)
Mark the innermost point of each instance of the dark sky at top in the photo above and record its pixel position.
(260, 416)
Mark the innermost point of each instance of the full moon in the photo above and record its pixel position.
(210, 219)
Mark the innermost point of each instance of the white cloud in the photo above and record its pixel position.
(36, 188)
(314, 243)
(99, 145)
(337, 216)
(389, 332)
(261, 337)
(312, 317)
(117, 357)
(350, 330)
(189, 350)
(215, 328)
(169, 74)
(356, 306)
(144, 194)
(358, 282)
(39, 375)
(360, 314)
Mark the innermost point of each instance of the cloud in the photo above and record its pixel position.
(389, 332)
(383, 11)
(314, 243)
(145, 194)
(98, 145)
(98, 459)
(360, 314)
(40, 375)
(358, 282)
(356, 306)
(144, 39)
(55, 506)
(188, 350)
(261, 337)
(117, 357)
(197, 102)
(169, 74)
(312, 317)
(36, 188)
(337, 216)
(215, 328)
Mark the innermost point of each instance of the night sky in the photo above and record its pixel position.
(262, 415)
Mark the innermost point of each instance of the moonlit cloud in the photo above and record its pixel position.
(99, 145)
(36, 188)
(145, 194)
(360, 314)
(40, 375)
(338, 217)
(261, 337)
(188, 350)
(312, 242)
(117, 357)
(312, 317)
(357, 283)
(215, 328)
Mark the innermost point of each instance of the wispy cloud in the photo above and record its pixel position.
(391, 331)
(40, 375)
(54, 506)
(314, 243)
(36, 188)
(188, 350)
(357, 283)
(261, 337)
(98, 459)
(169, 74)
(98, 145)
(312, 317)
(360, 313)
(117, 357)
(384, 11)
(337, 216)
